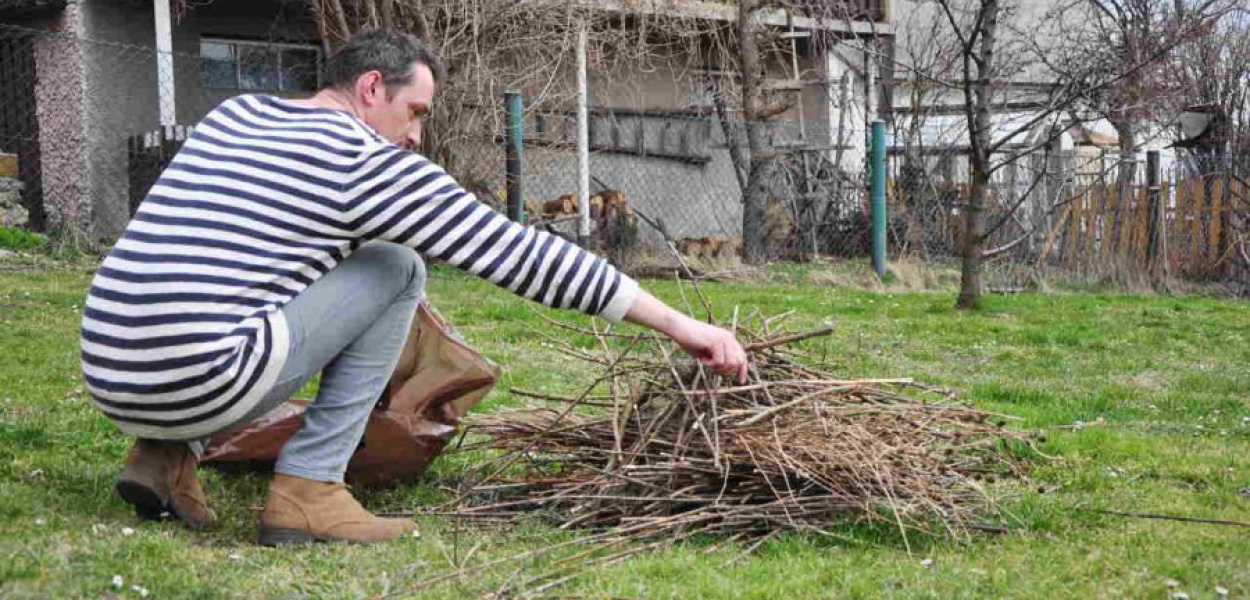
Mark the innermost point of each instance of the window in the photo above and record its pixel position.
(249, 65)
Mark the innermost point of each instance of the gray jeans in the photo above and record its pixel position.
(350, 326)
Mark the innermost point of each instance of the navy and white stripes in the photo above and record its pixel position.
(183, 333)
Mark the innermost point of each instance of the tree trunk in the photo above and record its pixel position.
(979, 160)
(755, 195)
(974, 238)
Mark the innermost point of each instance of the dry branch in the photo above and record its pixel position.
(675, 451)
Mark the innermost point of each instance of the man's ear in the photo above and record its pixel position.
(370, 88)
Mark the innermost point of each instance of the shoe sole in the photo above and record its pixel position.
(275, 537)
(148, 504)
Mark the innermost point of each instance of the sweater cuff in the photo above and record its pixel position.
(622, 301)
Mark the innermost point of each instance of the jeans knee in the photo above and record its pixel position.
(416, 277)
(399, 263)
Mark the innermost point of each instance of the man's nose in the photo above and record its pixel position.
(414, 136)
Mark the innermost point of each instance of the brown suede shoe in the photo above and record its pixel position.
(160, 478)
(301, 511)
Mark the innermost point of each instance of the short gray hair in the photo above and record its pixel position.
(391, 52)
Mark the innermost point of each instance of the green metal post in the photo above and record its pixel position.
(516, 131)
(877, 167)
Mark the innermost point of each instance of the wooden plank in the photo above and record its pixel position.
(1195, 225)
(1141, 225)
(1107, 207)
(8, 165)
(1091, 225)
(1072, 241)
(1054, 231)
(1182, 217)
(1165, 190)
(1176, 235)
(1127, 211)
(1215, 222)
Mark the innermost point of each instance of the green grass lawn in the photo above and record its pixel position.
(1164, 380)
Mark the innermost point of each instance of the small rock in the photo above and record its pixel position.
(1221, 591)
(926, 563)
(235, 556)
(127, 531)
(1171, 582)
(1179, 596)
(40, 521)
(117, 581)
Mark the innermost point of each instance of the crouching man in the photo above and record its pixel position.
(279, 244)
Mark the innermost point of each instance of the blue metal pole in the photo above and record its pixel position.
(877, 160)
(512, 163)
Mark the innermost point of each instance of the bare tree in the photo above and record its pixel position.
(1143, 32)
(1212, 70)
(761, 160)
(1077, 76)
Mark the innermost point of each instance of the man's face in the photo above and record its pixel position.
(396, 113)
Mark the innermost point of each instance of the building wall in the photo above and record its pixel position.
(260, 20)
(119, 79)
(120, 89)
(59, 98)
(700, 200)
(120, 100)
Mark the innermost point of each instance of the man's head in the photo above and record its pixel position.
(389, 77)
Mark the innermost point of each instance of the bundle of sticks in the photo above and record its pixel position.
(674, 448)
(659, 449)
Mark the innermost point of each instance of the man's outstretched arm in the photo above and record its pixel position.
(713, 346)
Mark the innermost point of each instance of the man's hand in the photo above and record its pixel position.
(711, 345)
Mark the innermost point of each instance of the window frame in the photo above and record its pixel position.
(235, 43)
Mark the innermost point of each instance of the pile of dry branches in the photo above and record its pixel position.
(672, 450)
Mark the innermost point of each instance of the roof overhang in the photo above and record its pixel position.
(716, 11)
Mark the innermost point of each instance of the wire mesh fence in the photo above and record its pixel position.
(73, 110)
(82, 138)
(679, 178)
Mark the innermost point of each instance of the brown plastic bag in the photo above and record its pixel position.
(437, 380)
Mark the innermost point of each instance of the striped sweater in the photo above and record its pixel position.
(183, 334)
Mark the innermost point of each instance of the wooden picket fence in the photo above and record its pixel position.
(1201, 224)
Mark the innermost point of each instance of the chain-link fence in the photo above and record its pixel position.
(82, 138)
(86, 125)
(679, 178)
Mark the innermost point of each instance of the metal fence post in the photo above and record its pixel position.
(512, 163)
(877, 161)
(1153, 210)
